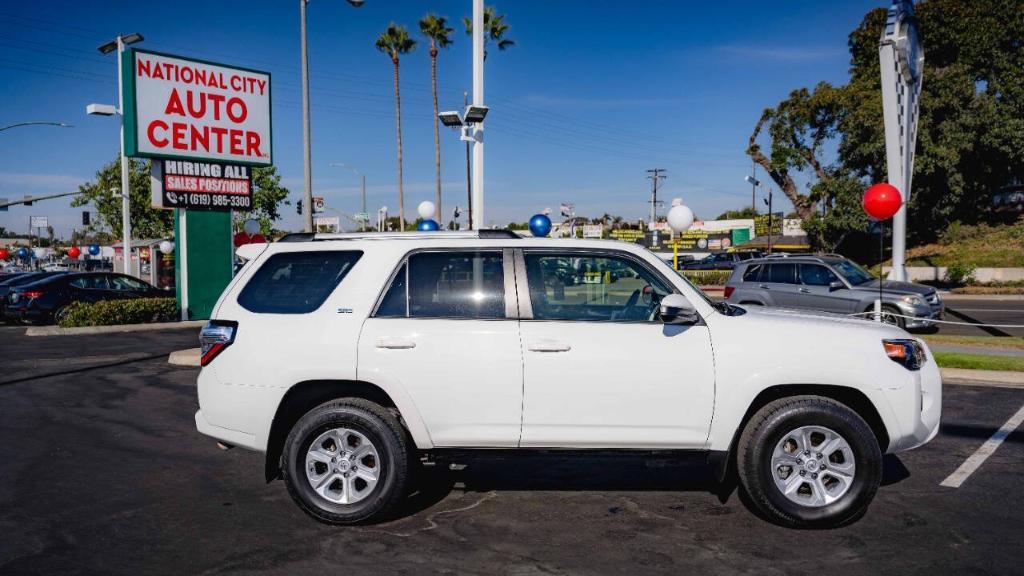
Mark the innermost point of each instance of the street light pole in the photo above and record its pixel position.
(478, 128)
(307, 205)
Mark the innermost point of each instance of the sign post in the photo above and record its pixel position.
(901, 58)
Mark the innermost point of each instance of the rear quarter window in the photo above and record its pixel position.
(296, 282)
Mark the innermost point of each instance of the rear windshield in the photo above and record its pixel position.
(296, 282)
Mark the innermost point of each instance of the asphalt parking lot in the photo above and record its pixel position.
(102, 471)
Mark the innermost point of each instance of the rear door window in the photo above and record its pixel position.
(782, 273)
(296, 282)
(447, 285)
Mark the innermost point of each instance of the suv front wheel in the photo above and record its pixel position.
(346, 462)
(809, 461)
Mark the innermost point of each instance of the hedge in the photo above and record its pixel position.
(707, 277)
(113, 312)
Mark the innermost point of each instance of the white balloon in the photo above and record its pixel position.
(251, 227)
(680, 218)
(40, 253)
(167, 246)
(426, 209)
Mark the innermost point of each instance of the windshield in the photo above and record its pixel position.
(853, 273)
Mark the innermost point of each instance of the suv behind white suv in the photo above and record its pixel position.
(346, 357)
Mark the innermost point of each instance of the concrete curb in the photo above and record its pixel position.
(992, 378)
(188, 357)
(87, 330)
(950, 297)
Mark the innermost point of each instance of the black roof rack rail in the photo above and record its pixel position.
(298, 237)
(493, 234)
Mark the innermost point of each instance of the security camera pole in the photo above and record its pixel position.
(478, 100)
(902, 66)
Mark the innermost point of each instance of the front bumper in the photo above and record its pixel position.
(922, 316)
(917, 407)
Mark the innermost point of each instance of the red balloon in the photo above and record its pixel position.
(4, 254)
(882, 201)
(74, 253)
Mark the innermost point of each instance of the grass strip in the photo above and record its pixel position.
(978, 362)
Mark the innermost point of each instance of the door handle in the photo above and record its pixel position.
(395, 343)
(548, 346)
(762, 286)
(805, 290)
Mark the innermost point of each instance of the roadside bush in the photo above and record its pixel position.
(707, 277)
(113, 312)
(959, 273)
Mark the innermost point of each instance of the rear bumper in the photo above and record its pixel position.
(226, 435)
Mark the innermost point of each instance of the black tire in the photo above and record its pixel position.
(58, 314)
(893, 316)
(386, 434)
(770, 425)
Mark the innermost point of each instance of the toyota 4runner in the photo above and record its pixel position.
(346, 358)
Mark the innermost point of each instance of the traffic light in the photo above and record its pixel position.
(85, 218)
(298, 207)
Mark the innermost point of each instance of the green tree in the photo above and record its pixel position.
(745, 212)
(494, 29)
(970, 133)
(104, 194)
(267, 197)
(436, 29)
(395, 41)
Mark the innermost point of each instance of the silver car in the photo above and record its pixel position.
(831, 283)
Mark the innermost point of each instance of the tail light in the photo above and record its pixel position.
(30, 294)
(729, 290)
(215, 337)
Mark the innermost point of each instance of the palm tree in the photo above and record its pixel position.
(436, 29)
(494, 29)
(395, 41)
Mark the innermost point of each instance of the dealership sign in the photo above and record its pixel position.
(195, 110)
(201, 185)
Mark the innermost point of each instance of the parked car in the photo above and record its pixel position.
(719, 261)
(46, 300)
(349, 359)
(831, 283)
(14, 281)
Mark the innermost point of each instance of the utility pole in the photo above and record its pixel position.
(307, 210)
(469, 175)
(656, 175)
(768, 201)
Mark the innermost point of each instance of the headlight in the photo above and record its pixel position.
(909, 353)
(913, 300)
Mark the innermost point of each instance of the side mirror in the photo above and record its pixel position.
(675, 309)
(835, 285)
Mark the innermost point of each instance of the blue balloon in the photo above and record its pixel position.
(22, 253)
(94, 250)
(428, 226)
(540, 225)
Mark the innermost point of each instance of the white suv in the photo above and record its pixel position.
(348, 358)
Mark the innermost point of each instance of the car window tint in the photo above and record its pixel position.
(753, 272)
(91, 282)
(126, 284)
(782, 273)
(394, 303)
(816, 275)
(592, 287)
(296, 282)
(456, 285)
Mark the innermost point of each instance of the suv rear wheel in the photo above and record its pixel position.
(346, 462)
(809, 461)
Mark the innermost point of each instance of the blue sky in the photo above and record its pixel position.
(592, 94)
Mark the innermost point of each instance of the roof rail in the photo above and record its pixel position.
(486, 234)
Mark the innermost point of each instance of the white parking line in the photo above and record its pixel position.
(974, 461)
